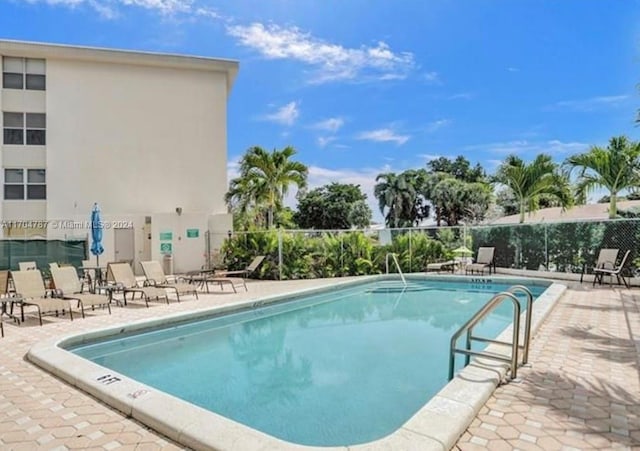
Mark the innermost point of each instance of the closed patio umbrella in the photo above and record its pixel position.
(96, 233)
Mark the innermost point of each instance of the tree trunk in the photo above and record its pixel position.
(613, 209)
(270, 218)
(522, 211)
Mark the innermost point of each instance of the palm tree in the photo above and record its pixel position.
(530, 182)
(264, 180)
(398, 194)
(616, 168)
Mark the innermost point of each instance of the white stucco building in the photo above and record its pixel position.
(142, 134)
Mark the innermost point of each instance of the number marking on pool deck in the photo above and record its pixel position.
(108, 379)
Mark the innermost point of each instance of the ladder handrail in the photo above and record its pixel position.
(487, 308)
(475, 319)
(395, 260)
(527, 321)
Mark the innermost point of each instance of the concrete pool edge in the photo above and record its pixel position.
(437, 425)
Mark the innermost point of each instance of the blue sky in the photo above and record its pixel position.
(361, 87)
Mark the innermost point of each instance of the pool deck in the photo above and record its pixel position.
(582, 390)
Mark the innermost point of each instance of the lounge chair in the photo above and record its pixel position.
(27, 266)
(122, 275)
(4, 293)
(156, 278)
(449, 265)
(204, 277)
(485, 260)
(30, 287)
(599, 273)
(244, 273)
(68, 286)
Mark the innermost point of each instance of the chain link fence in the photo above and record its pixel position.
(564, 247)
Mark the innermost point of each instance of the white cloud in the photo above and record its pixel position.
(333, 124)
(383, 135)
(428, 157)
(323, 141)
(109, 8)
(285, 115)
(437, 125)
(331, 61)
(432, 78)
(513, 69)
(519, 147)
(462, 96)
(233, 167)
(590, 104)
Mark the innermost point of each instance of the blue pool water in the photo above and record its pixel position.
(337, 368)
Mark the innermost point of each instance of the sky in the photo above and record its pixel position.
(363, 87)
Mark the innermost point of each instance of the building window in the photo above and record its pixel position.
(21, 128)
(24, 73)
(19, 187)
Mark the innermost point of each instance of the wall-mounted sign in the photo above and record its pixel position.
(166, 248)
(166, 236)
(193, 233)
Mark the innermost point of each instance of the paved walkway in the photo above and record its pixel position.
(581, 392)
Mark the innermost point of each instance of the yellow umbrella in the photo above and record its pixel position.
(463, 250)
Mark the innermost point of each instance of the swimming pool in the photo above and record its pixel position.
(336, 368)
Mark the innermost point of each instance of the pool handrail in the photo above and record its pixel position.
(475, 319)
(395, 260)
(527, 320)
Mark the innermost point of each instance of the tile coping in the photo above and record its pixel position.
(436, 426)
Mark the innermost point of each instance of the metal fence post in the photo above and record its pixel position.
(280, 253)
(546, 247)
(341, 254)
(410, 253)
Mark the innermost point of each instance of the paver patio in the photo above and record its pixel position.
(582, 390)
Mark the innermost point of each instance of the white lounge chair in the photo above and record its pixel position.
(449, 266)
(30, 287)
(27, 266)
(69, 286)
(156, 278)
(122, 275)
(257, 261)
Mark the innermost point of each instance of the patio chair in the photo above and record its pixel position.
(68, 286)
(244, 273)
(599, 273)
(449, 265)
(156, 278)
(122, 275)
(606, 260)
(27, 266)
(485, 260)
(7, 298)
(30, 287)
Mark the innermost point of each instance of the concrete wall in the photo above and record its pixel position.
(141, 134)
(135, 139)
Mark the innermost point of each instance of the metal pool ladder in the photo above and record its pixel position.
(395, 261)
(480, 315)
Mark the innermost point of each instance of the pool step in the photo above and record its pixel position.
(397, 287)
